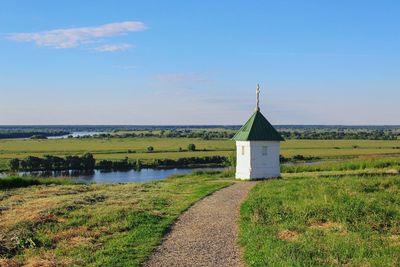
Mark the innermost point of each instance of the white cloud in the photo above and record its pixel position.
(113, 47)
(73, 37)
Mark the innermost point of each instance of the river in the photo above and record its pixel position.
(97, 176)
(77, 134)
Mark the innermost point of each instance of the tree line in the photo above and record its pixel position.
(88, 163)
(205, 132)
(52, 163)
(126, 164)
(337, 134)
(205, 135)
(300, 134)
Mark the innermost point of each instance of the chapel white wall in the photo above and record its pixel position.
(253, 164)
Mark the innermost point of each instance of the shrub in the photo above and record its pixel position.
(192, 147)
(138, 164)
(14, 164)
(88, 162)
(122, 165)
(105, 165)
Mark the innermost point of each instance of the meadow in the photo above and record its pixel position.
(341, 210)
(94, 225)
(174, 148)
(320, 218)
(290, 212)
(307, 220)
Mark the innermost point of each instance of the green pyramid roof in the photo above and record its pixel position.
(257, 128)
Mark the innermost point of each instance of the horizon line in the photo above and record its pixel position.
(195, 125)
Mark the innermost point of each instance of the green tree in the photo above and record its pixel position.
(73, 162)
(33, 163)
(88, 161)
(192, 147)
(14, 164)
(48, 162)
(138, 164)
(150, 149)
(105, 165)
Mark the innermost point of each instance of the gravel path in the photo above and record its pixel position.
(206, 234)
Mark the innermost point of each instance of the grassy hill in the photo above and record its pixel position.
(333, 217)
(93, 225)
(307, 220)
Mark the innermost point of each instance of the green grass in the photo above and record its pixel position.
(340, 148)
(3, 164)
(167, 148)
(113, 148)
(375, 163)
(95, 225)
(311, 221)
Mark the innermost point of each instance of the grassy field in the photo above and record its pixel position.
(136, 148)
(94, 225)
(344, 165)
(338, 215)
(340, 148)
(307, 220)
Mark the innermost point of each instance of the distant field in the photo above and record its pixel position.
(135, 148)
(340, 148)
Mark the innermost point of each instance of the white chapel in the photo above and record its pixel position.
(257, 148)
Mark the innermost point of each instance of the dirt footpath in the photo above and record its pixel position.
(206, 234)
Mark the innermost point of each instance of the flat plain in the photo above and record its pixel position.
(169, 148)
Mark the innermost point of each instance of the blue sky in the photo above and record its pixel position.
(198, 62)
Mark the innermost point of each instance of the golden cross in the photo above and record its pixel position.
(258, 98)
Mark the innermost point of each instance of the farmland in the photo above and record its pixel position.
(169, 148)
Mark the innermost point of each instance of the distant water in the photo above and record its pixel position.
(144, 175)
(77, 134)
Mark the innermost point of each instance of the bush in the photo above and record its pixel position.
(105, 165)
(138, 164)
(192, 147)
(150, 149)
(14, 164)
(188, 162)
(88, 162)
(122, 165)
(49, 163)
